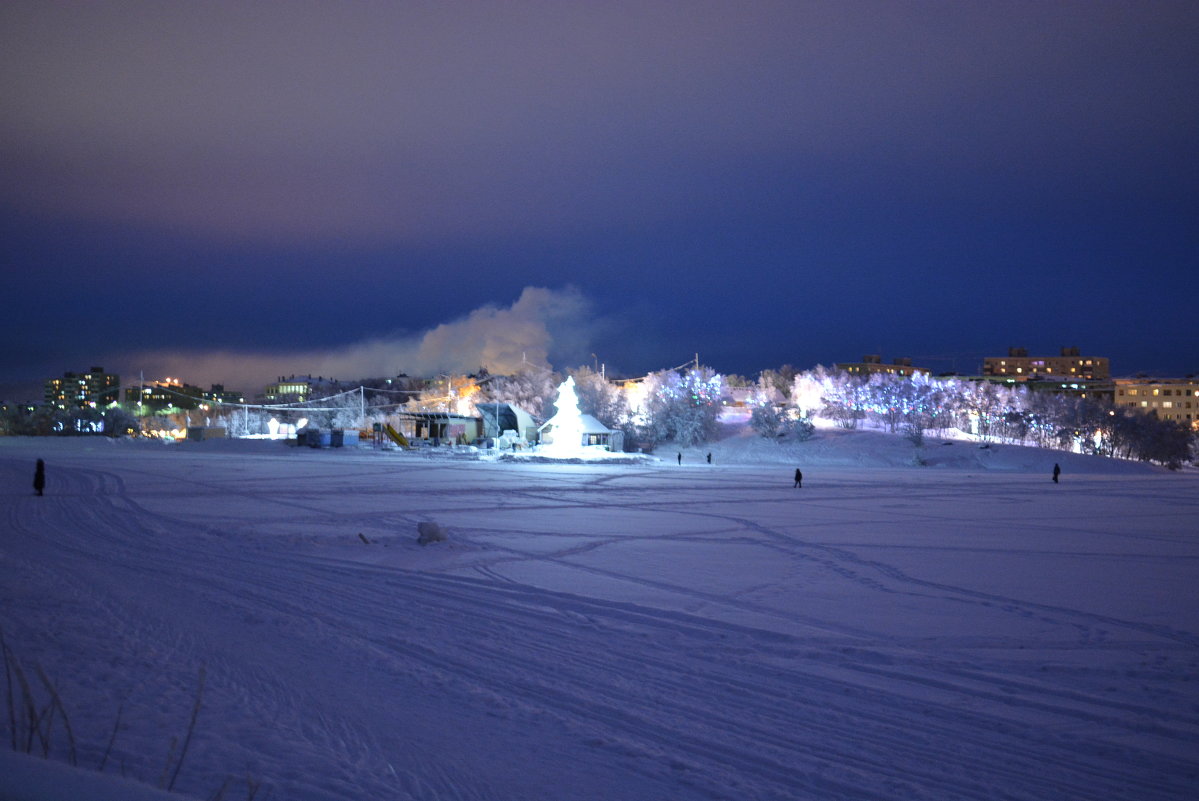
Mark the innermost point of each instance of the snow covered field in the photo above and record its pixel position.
(964, 630)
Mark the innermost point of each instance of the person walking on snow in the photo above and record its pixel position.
(709, 458)
(39, 477)
(798, 478)
(1057, 471)
(680, 458)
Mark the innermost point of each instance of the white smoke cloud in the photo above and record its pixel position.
(542, 328)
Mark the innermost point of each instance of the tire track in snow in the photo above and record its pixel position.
(901, 721)
(739, 712)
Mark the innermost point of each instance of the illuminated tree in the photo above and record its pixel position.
(782, 379)
(846, 398)
(983, 405)
(532, 390)
(680, 407)
(600, 398)
(765, 420)
(808, 390)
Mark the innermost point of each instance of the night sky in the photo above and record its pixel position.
(229, 191)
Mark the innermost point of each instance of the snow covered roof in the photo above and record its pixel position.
(590, 425)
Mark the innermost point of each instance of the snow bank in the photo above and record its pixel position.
(835, 447)
(31, 778)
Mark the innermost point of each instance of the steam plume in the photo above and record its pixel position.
(542, 327)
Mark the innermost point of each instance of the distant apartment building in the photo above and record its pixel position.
(873, 363)
(218, 394)
(301, 389)
(289, 390)
(1071, 364)
(91, 389)
(1174, 399)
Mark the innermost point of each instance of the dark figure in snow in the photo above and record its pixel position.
(39, 477)
(798, 478)
(680, 458)
(709, 458)
(1057, 471)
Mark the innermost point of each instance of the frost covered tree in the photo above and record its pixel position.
(600, 398)
(983, 405)
(765, 420)
(532, 390)
(846, 398)
(801, 429)
(887, 399)
(334, 410)
(781, 380)
(1042, 410)
(41, 421)
(120, 423)
(243, 422)
(680, 407)
(698, 407)
(808, 390)
(991, 412)
(924, 406)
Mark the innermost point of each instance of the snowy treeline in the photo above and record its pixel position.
(47, 420)
(992, 412)
(683, 406)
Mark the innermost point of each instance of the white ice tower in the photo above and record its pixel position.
(567, 425)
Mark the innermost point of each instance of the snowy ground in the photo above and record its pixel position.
(964, 630)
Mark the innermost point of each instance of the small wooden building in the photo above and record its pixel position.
(444, 427)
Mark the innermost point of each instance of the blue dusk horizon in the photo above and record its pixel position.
(230, 191)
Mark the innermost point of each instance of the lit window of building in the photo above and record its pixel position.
(1029, 368)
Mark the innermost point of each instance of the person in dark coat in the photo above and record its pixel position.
(680, 458)
(1057, 471)
(39, 477)
(798, 478)
(709, 458)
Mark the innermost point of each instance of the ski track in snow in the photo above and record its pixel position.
(534, 656)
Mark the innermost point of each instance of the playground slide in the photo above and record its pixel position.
(395, 436)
